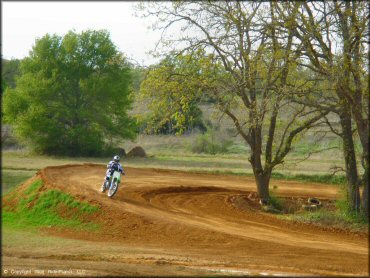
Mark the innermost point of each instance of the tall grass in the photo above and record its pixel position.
(341, 217)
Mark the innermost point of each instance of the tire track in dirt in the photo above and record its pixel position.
(186, 211)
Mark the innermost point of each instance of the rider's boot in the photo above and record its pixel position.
(103, 187)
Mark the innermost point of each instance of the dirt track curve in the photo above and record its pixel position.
(207, 218)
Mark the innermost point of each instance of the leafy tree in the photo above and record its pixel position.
(173, 90)
(72, 95)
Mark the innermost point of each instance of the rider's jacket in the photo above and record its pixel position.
(112, 165)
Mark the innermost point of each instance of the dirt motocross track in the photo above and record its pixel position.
(204, 222)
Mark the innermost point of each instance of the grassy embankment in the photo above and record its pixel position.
(32, 207)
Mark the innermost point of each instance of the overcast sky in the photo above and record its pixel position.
(23, 22)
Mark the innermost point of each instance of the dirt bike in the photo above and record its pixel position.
(112, 184)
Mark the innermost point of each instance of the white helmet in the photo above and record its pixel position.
(116, 158)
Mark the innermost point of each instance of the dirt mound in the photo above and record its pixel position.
(120, 151)
(208, 217)
(137, 152)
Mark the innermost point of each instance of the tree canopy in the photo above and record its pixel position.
(305, 59)
(174, 89)
(72, 96)
(260, 63)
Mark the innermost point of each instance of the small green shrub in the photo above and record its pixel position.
(275, 201)
(237, 149)
(208, 143)
(345, 213)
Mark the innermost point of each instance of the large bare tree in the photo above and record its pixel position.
(334, 38)
(259, 59)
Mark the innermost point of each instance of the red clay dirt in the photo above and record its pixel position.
(205, 222)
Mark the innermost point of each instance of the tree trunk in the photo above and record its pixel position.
(365, 192)
(262, 177)
(262, 180)
(263, 188)
(353, 193)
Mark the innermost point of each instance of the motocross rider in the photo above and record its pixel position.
(112, 166)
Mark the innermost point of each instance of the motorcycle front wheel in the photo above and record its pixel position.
(112, 189)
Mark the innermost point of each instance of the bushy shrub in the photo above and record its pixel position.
(209, 143)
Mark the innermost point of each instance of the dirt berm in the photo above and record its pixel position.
(198, 222)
